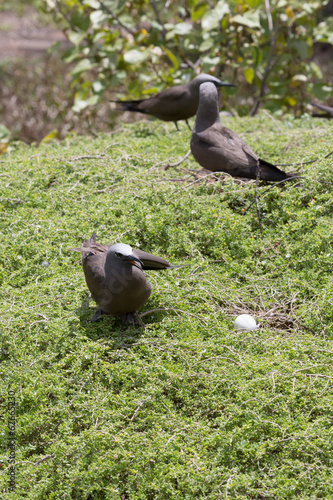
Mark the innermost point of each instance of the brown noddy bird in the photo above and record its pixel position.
(328, 111)
(176, 103)
(219, 149)
(114, 275)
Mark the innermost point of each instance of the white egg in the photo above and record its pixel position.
(245, 322)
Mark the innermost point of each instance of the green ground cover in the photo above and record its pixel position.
(184, 407)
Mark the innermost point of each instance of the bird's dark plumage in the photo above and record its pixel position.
(114, 275)
(327, 111)
(175, 103)
(219, 149)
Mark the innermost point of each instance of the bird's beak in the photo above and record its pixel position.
(224, 84)
(134, 261)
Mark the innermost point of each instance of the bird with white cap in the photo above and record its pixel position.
(179, 102)
(219, 149)
(115, 277)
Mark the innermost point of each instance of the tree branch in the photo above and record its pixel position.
(269, 63)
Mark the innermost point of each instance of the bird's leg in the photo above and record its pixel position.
(131, 319)
(98, 314)
(187, 123)
(176, 126)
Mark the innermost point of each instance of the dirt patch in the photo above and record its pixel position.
(25, 36)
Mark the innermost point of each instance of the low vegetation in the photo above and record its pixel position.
(184, 407)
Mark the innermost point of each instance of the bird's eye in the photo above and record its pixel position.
(117, 254)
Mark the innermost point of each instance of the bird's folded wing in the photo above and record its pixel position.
(225, 139)
(322, 107)
(165, 103)
(172, 94)
(237, 143)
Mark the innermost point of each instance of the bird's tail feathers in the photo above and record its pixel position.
(271, 172)
(129, 105)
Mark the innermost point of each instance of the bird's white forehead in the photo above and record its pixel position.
(122, 248)
(208, 88)
(204, 77)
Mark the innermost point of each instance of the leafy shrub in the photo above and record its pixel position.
(147, 45)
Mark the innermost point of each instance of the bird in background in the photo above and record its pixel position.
(219, 149)
(175, 103)
(327, 111)
(115, 277)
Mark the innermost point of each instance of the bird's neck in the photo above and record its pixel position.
(207, 114)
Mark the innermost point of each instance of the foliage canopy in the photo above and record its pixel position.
(145, 45)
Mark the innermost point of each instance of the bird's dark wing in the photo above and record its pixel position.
(222, 149)
(156, 101)
(170, 104)
(228, 144)
(166, 104)
(235, 142)
(268, 171)
(91, 247)
(328, 109)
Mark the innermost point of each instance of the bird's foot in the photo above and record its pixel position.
(98, 314)
(131, 319)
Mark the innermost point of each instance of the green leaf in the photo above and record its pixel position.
(290, 101)
(4, 134)
(98, 18)
(172, 58)
(98, 86)
(81, 103)
(302, 48)
(251, 19)
(209, 21)
(80, 20)
(118, 77)
(210, 61)
(257, 55)
(76, 37)
(49, 137)
(321, 91)
(135, 56)
(198, 11)
(213, 17)
(206, 44)
(249, 75)
(253, 3)
(83, 65)
(299, 78)
(94, 4)
(180, 29)
(115, 6)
